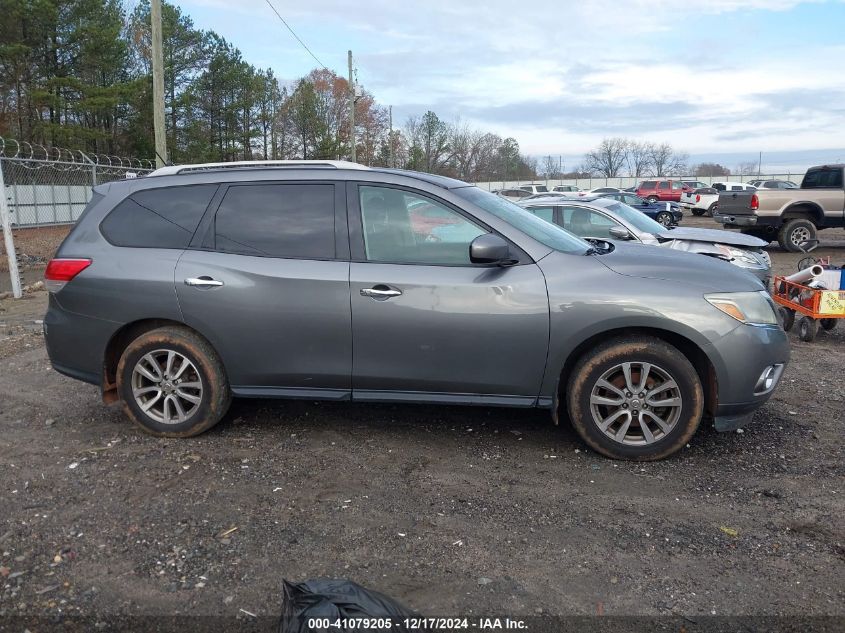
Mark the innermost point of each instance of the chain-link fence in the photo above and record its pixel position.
(48, 185)
(42, 186)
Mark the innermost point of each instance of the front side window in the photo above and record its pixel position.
(677, 185)
(277, 220)
(585, 222)
(407, 228)
(633, 200)
(158, 218)
(542, 188)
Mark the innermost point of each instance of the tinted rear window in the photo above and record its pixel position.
(158, 218)
(295, 221)
(648, 184)
(823, 179)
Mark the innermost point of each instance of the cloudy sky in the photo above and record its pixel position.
(715, 78)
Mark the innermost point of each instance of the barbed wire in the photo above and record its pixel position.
(69, 158)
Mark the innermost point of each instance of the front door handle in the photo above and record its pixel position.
(380, 292)
(203, 282)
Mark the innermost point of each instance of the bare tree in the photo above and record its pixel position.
(747, 168)
(608, 158)
(638, 158)
(550, 167)
(665, 161)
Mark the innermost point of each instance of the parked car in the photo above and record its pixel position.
(598, 190)
(604, 218)
(311, 279)
(513, 194)
(534, 187)
(773, 184)
(666, 213)
(792, 216)
(662, 190)
(706, 199)
(553, 194)
(695, 184)
(566, 188)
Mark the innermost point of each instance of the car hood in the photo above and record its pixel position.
(655, 262)
(715, 236)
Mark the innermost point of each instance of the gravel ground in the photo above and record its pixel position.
(450, 510)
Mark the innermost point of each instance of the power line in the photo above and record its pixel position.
(269, 4)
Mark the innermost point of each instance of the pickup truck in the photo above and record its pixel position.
(792, 216)
(706, 199)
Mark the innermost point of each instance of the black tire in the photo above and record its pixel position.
(652, 199)
(698, 212)
(606, 357)
(665, 218)
(205, 368)
(787, 318)
(794, 233)
(828, 324)
(807, 329)
(711, 210)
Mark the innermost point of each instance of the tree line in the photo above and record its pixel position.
(77, 74)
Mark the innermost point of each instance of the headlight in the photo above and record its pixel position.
(742, 257)
(753, 308)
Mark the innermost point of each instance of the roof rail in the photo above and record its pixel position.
(172, 170)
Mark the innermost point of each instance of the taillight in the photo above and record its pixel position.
(755, 202)
(61, 271)
(698, 197)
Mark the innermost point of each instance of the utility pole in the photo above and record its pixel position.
(158, 85)
(390, 115)
(351, 108)
(760, 165)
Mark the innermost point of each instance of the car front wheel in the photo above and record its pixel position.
(636, 399)
(665, 218)
(172, 383)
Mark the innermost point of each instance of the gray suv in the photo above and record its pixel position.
(329, 280)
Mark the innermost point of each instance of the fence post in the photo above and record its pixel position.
(11, 254)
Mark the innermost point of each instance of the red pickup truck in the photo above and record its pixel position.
(662, 190)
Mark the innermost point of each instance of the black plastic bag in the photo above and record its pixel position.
(325, 599)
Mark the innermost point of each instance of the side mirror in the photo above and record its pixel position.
(489, 249)
(618, 233)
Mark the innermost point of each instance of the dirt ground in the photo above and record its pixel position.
(450, 510)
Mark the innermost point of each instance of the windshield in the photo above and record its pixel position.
(550, 235)
(637, 219)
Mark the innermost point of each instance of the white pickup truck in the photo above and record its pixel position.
(706, 199)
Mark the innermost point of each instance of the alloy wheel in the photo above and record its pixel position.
(636, 403)
(166, 386)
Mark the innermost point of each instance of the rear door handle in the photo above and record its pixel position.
(380, 292)
(203, 282)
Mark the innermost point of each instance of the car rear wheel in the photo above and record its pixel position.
(698, 211)
(795, 233)
(637, 399)
(652, 199)
(665, 218)
(711, 210)
(172, 383)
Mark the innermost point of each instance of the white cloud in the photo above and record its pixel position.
(560, 75)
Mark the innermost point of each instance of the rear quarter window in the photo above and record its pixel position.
(158, 218)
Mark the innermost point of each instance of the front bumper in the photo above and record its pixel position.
(736, 220)
(739, 359)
